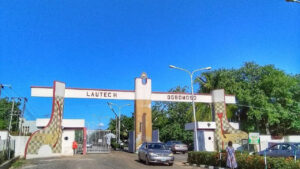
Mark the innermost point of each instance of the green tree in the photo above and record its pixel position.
(170, 119)
(5, 112)
(267, 98)
(79, 136)
(127, 124)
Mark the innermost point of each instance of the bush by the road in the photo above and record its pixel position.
(245, 161)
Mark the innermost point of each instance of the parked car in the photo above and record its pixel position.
(177, 146)
(155, 153)
(282, 150)
(89, 145)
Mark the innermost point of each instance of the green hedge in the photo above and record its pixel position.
(245, 161)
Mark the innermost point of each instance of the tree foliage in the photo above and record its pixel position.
(268, 98)
(170, 118)
(5, 112)
(268, 101)
(127, 124)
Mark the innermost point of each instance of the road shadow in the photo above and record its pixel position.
(152, 164)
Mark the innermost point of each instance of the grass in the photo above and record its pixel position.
(19, 163)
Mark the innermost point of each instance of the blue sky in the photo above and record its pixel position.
(107, 43)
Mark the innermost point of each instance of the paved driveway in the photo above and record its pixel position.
(114, 160)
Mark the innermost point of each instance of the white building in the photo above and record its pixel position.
(68, 136)
(3, 134)
(206, 138)
(27, 126)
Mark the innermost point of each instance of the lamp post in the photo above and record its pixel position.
(297, 1)
(110, 104)
(193, 102)
(119, 109)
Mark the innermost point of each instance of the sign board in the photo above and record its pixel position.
(254, 138)
(127, 95)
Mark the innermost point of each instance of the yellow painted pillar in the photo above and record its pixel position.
(143, 114)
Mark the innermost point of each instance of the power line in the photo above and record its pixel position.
(5, 93)
(30, 114)
(2, 87)
(28, 107)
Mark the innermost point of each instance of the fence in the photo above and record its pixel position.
(7, 149)
(97, 141)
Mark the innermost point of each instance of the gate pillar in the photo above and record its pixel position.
(47, 142)
(224, 131)
(142, 114)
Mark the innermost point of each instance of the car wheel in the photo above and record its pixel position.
(139, 158)
(170, 164)
(147, 161)
(183, 152)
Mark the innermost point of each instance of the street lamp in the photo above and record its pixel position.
(119, 109)
(193, 102)
(297, 1)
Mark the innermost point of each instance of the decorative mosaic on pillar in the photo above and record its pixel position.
(142, 115)
(52, 134)
(224, 131)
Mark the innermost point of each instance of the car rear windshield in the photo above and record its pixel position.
(156, 146)
(177, 142)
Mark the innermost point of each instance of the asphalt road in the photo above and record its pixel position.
(113, 160)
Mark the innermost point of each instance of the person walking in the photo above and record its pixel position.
(231, 161)
(74, 146)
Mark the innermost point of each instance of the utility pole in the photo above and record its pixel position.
(22, 115)
(9, 127)
(110, 106)
(119, 110)
(10, 120)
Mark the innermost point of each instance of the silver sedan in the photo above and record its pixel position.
(155, 153)
(177, 146)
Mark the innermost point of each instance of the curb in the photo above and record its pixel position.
(8, 163)
(206, 166)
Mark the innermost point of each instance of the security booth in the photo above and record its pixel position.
(206, 135)
(69, 129)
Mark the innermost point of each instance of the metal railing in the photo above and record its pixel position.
(7, 149)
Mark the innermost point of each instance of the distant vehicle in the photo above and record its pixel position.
(155, 153)
(177, 146)
(282, 150)
(89, 145)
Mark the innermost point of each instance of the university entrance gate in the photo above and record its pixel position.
(98, 141)
(143, 96)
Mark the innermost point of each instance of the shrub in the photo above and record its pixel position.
(115, 145)
(244, 160)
